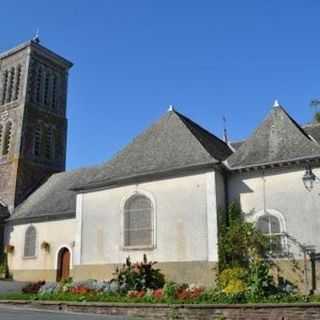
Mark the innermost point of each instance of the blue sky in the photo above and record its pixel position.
(209, 58)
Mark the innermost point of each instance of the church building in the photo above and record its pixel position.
(159, 196)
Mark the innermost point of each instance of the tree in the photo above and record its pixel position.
(315, 104)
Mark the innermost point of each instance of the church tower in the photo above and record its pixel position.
(33, 124)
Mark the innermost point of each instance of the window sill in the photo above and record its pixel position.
(137, 248)
(29, 258)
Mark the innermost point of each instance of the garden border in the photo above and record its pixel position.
(286, 311)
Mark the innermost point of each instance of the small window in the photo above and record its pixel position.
(270, 226)
(49, 143)
(138, 222)
(11, 85)
(18, 83)
(30, 242)
(37, 141)
(54, 92)
(1, 136)
(46, 88)
(7, 138)
(39, 86)
(4, 87)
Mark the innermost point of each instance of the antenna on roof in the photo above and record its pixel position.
(36, 37)
(225, 131)
(276, 103)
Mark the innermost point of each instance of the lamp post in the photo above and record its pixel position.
(309, 178)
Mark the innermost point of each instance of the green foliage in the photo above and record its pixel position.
(4, 269)
(260, 281)
(169, 290)
(244, 267)
(209, 296)
(233, 280)
(139, 275)
(317, 117)
(239, 241)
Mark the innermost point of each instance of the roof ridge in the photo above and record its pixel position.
(278, 138)
(295, 123)
(190, 124)
(311, 124)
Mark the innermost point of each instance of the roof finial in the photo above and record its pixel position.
(36, 37)
(276, 103)
(225, 131)
(171, 108)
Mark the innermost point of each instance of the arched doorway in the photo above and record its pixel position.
(63, 270)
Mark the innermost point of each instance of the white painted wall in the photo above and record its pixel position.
(185, 211)
(57, 233)
(285, 194)
(185, 225)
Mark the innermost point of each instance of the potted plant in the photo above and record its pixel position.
(9, 248)
(45, 246)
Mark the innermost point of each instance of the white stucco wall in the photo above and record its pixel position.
(285, 195)
(57, 233)
(185, 228)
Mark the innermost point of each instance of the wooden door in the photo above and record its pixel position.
(63, 271)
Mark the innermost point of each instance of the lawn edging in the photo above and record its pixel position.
(285, 311)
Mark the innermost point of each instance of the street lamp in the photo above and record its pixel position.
(309, 178)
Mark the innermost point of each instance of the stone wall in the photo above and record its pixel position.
(186, 312)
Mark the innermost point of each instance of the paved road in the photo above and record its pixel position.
(24, 314)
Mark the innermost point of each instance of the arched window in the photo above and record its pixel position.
(270, 226)
(30, 242)
(37, 141)
(49, 143)
(138, 222)
(32, 81)
(18, 83)
(46, 88)
(11, 84)
(4, 87)
(1, 136)
(7, 138)
(39, 85)
(54, 92)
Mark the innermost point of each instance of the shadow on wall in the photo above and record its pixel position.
(242, 188)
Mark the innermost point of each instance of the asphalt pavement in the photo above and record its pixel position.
(8, 313)
(11, 286)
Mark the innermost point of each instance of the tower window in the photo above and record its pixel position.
(18, 83)
(54, 92)
(31, 86)
(4, 87)
(11, 85)
(39, 86)
(46, 89)
(49, 143)
(7, 138)
(1, 135)
(37, 141)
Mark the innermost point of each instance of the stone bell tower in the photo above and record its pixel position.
(33, 124)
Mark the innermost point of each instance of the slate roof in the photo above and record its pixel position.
(313, 130)
(54, 199)
(4, 213)
(279, 138)
(235, 145)
(174, 142)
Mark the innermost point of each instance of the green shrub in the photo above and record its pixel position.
(239, 241)
(139, 275)
(233, 280)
